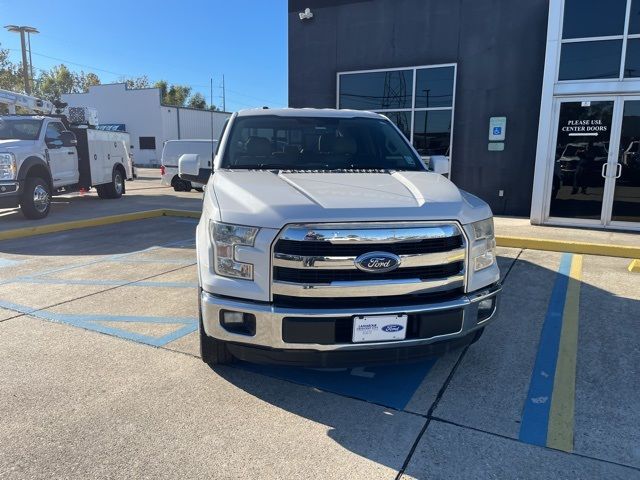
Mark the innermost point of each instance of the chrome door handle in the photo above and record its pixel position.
(618, 170)
(604, 166)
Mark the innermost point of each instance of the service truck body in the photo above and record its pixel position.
(324, 240)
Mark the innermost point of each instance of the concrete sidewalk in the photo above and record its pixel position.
(521, 227)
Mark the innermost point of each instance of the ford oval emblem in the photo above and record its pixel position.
(377, 262)
(392, 328)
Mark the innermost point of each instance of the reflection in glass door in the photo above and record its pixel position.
(626, 195)
(581, 156)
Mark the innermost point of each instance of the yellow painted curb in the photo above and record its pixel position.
(634, 266)
(94, 222)
(569, 247)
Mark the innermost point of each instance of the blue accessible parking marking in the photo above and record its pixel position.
(387, 385)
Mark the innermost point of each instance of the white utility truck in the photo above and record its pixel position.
(47, 152)
(325, 240)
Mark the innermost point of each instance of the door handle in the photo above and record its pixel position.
(604, 166)
(69, 153)
(618, 170)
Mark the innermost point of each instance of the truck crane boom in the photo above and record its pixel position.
(27, 102)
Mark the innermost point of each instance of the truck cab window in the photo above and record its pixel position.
(52, 134)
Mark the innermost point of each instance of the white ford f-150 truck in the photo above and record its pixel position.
(324, 240)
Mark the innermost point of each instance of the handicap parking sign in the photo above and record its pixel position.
(497, 128)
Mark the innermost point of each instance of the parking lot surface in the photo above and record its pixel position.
(101, 377)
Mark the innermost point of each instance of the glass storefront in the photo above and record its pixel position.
(419, 100)
(626, 196)
(588, 157)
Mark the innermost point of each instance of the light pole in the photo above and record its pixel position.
(26, 66)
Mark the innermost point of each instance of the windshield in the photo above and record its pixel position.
(19, 128)
(317, 143)
(173, 150)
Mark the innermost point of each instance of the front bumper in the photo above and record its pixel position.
(268, 344)
(9, 194)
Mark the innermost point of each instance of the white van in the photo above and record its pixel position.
(172, 151)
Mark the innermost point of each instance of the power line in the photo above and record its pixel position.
(125, 75)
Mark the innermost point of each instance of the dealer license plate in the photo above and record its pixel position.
(379, 328)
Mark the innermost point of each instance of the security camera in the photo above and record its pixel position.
(306, 15)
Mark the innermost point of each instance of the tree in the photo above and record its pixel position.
(10, 73)
(197, 100)
(136, 82)
(84, 81)
(174, 94)
(52, 84)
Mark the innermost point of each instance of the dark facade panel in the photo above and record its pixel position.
(498, 45)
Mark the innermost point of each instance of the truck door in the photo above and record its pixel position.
(63, 160)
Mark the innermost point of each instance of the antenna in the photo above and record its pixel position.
(211, 110)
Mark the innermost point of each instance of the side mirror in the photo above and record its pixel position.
(192, 168)
(68, 139)
(439, 164)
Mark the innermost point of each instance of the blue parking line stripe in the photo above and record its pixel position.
(535, 415)
(389, 385)
(111, 258)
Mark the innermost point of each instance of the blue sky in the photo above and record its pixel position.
(185, 42)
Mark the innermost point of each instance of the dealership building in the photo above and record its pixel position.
(535, 102)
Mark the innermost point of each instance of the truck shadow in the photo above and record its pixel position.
(487, 387)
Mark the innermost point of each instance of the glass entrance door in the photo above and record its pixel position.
(580, 164)
(596, 166)
(625, 204)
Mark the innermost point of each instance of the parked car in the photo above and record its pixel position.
(172, 151)
(325, 240)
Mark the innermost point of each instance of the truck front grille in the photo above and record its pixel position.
(318, 262)
(328, 276)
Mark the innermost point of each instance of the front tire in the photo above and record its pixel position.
(35, 201)
(212, 351)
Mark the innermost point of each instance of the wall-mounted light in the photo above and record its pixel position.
(306, 15)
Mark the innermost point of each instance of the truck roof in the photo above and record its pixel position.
(17, 117)
(308, 112)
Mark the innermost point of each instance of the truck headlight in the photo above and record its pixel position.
(8, 170)
(225, 238)
(484, 244)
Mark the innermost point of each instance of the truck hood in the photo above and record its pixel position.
(17, 145)
(272, 200)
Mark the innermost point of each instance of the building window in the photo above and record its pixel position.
(147, 143)
(600, 40)
(419, 100)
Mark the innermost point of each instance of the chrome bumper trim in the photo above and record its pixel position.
(367, 288)
(348, 263)
(269, 320)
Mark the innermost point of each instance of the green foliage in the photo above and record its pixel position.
(197, 100)
(10, 73)
(136, 82)
(52, 84)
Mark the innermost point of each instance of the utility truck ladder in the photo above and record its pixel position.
(30, 104)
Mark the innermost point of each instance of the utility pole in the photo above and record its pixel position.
(26, 66)
(224, 97)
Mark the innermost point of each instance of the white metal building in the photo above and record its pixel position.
(149, 123)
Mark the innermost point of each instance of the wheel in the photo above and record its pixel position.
(115, 189)
(102, 192)
(212, 351)
(35, 201)
(187, 186)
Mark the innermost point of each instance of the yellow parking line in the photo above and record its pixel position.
(569, 246)
(634, 266)
(561, 413)
(94, 222)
